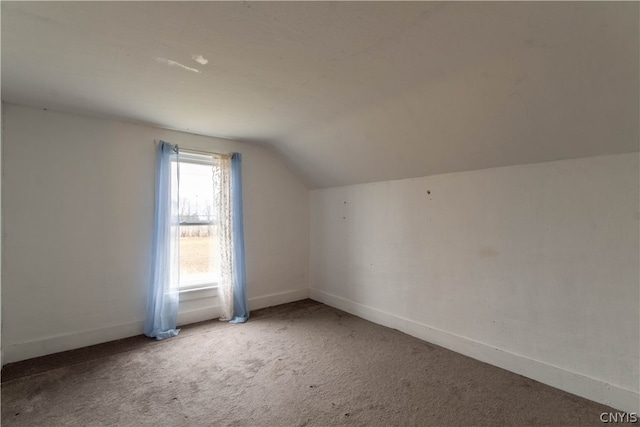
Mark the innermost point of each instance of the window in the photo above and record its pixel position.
(198, 211)
(199, 248)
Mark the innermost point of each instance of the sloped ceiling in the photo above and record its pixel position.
(345, 92)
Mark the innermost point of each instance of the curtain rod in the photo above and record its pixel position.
(207, 153)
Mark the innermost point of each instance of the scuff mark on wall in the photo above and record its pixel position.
(176, 64)
(488, 252)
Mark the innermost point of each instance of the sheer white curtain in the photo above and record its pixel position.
(228, 200)
(222, 202)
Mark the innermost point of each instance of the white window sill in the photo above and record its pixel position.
(204, 291)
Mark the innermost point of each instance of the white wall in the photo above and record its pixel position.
(532, 268)
(78, 208)
(1, 213)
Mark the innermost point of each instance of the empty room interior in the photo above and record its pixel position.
(320, 213)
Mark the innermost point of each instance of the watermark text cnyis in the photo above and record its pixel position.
(619, 417)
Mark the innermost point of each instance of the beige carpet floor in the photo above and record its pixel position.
(298, 364)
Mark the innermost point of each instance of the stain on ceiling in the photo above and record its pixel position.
(344, 92)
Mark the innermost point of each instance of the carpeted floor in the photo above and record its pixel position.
(298, 364)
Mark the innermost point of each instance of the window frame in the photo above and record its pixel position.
(205, 289)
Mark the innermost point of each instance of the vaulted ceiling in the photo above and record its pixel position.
(344, 92)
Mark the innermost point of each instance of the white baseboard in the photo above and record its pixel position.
(57, 343)
(578, 384)
(198, 315)
(63, 342)
(193, 315)
(277, 299)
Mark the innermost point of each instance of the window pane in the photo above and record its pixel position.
(198, 255)
(198, 231)
(196, 192)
